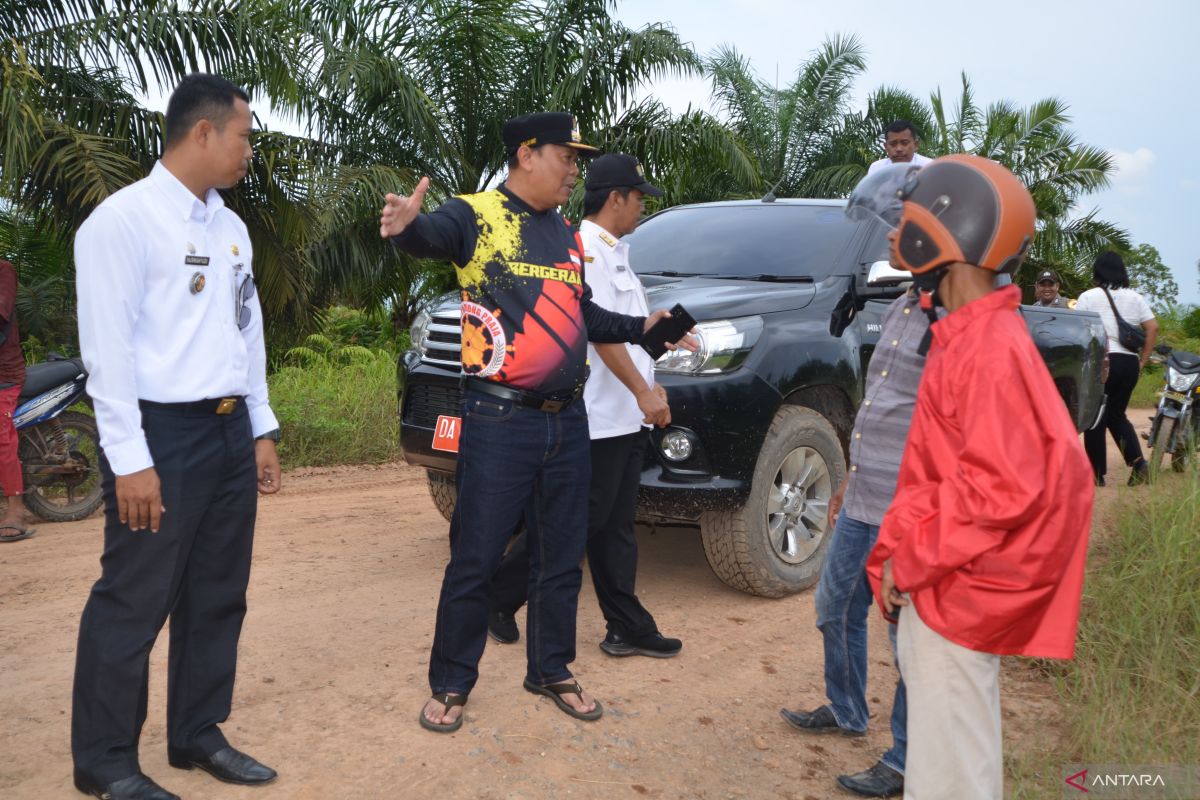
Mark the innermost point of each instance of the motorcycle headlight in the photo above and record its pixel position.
(1181, 382)
(416, 333)
(724, 345)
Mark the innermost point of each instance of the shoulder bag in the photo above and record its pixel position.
(1131, 337)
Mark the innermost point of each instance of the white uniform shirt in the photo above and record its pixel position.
(612, 408)
(918, 160)
(1133, 307)
(143, 332)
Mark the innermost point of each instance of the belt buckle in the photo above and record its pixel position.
(227, 405)
(552, 406)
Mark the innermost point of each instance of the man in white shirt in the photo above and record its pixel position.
(171, 333)
(622, 401)
(900, 142)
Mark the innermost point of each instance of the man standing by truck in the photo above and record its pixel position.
(621, 398)
(900, 142)
(982, 551)
(843, 594)
(527, 316)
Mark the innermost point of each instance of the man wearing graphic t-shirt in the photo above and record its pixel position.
(527, 317)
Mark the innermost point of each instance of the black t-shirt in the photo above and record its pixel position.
(527, 314)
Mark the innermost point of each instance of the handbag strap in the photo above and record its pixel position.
(1116, 313)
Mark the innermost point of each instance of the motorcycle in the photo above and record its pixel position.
(59, 449)
(1176, 425)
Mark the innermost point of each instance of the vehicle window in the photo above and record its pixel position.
(784, 240)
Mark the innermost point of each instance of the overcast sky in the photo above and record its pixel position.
(1129, 71)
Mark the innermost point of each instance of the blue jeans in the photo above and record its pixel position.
(843, 600)
(514, 460)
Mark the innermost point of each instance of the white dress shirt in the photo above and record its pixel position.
(144, 331)
(612, 408)
(918, 160)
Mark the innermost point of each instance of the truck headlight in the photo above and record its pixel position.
(724, 345)
(1181, 382)
(420, 327)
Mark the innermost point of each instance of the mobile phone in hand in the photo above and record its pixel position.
(668, 329)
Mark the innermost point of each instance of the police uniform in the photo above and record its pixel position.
(171, 333)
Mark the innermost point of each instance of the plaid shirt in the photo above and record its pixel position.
(881, 427)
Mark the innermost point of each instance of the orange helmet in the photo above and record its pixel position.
(956, 208)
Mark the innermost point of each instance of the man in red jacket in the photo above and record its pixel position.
(982, 550)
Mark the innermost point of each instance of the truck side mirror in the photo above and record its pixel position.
(883, 275)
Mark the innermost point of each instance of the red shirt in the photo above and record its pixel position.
(988, 530)
(12, 360)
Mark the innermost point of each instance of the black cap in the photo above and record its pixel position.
(1047, 276)
(550, 127)
(618, 171)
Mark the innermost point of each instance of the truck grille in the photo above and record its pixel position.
(427, 401)
(442, 344)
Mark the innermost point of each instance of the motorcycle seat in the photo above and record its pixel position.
(1184, 361)
(42, 377)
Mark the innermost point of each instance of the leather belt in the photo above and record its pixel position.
(216, 405)
(551, 404)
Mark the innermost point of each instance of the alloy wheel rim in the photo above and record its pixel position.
(798, 505)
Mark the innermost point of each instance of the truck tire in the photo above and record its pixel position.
(775, 544)
(443, 491)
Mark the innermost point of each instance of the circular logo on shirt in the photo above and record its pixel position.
(483, 341)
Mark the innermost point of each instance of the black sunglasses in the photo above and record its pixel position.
(241, 310)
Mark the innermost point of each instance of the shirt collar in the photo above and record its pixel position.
(181, 198)
(954, 323)
(613, 242)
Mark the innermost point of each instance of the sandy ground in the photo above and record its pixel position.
(347, 566)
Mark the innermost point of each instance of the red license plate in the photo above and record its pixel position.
(445, 434)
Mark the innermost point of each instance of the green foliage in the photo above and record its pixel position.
(337, 410)
(1150, 276)
(1190, 323)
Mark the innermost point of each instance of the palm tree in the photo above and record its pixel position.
(789, 131)
(426, 87)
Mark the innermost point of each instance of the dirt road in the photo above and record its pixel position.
(332, 671)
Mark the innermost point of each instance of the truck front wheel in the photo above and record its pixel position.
(443, 491)
(775, 544)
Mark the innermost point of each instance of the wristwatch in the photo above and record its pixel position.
(273, 435)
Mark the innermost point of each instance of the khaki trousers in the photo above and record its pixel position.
(954, 742)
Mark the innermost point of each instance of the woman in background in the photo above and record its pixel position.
(1112, 280)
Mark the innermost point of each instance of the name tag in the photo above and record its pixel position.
(196, 261)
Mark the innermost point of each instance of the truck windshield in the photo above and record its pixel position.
(749, 240)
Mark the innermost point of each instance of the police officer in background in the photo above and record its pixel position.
(172, 337)
(1046, 292)
(621, 398)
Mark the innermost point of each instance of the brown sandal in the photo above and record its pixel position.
(449, 701)
(555, 691)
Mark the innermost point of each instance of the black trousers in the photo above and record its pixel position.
(1123, 372)
(611, 541)
(196, 569)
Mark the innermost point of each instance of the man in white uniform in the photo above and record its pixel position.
(900, 142)
(622, 400)
(172, 337)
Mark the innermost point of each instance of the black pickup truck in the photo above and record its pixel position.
(789, 296)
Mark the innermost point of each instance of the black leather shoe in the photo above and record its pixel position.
(879, 781)
(655, 645)
(229, 765)
(819, 721)
(502, 627)
(1140, 473)
(135, 787)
